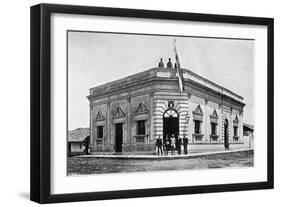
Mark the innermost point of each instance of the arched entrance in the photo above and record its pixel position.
(170, 124)
(226, 140)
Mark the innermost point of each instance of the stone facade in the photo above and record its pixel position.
(128, 115)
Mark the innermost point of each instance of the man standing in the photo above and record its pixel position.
(179, 145)
(167, 144)
(185, 143)
(159, 145)
(173, 143)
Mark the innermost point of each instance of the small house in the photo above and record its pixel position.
(248, 133)
(78, 141)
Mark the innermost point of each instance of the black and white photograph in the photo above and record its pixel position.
(138, 103)
(131, 103)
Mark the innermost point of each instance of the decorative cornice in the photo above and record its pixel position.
(118, 113)
(150, 75)
(100, 116)
(198, 110)
(141, 109)
(236, 119)
(214, 114)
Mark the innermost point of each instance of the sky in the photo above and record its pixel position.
(96, 58)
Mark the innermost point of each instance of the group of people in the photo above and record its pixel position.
(171, 144)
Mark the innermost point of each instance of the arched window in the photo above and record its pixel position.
(171, 113)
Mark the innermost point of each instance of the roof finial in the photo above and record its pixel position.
(161, 64)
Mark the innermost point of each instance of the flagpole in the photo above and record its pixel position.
(180, 77)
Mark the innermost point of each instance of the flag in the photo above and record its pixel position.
(179, 71)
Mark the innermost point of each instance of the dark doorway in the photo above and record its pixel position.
(226, 140)
(170, 124)
(69, 149)
(118, 137)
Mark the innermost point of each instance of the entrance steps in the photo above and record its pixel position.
(170, 153)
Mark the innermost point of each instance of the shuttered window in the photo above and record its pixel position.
(197, 127)
(141, 127)
(100, 132)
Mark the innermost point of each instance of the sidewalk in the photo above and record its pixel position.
(163, 157)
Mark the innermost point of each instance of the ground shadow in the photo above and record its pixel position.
(24, 195)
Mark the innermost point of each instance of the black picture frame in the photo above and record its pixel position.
(41, 98)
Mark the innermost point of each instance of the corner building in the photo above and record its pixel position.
(127, 115)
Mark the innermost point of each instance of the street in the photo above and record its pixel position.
(80, 166)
